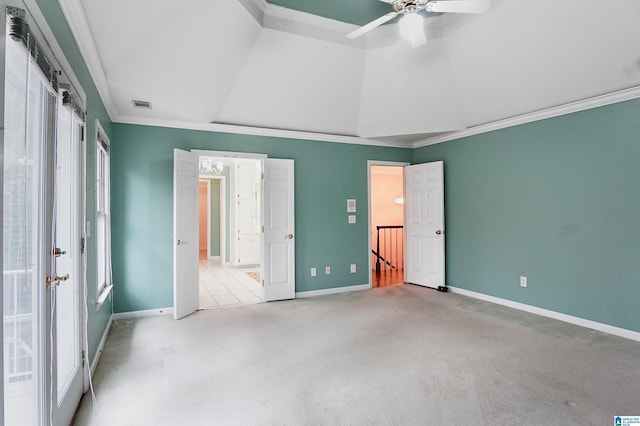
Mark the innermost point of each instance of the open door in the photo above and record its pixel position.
(185, 233)
(279, 244)
(424, 210)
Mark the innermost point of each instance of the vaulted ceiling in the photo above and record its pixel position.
(286, 64)
(358, 12)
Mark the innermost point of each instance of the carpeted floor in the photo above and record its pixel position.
(401, 355)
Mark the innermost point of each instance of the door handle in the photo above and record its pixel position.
(439, 232)
(289, 237)
(57, 252)
(56, 280)
(182, 242)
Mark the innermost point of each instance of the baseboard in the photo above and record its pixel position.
(103, 341)
(142, 314)
(336, 290)
(605, 328)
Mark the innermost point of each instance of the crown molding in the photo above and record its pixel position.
(77, 21)
(569, 108)
(280, 18)
(305, 24)
(255, 8)
(259, 131)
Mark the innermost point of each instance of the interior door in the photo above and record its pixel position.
(278, 268)
(185, 233)
(424, 210)
(68, 259)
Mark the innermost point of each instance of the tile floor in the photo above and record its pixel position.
(223, 285)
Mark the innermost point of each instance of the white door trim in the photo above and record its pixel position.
(229, 154)
(369, 164)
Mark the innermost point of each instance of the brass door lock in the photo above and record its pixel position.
(55, 281)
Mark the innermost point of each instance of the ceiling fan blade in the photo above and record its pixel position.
(371, 25)
(462, 6)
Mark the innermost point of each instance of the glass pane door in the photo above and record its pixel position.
(68, 265)
(28, 132)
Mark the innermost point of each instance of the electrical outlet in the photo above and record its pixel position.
(523, 281)
(313, 272)
(327, 270)
(353, 268)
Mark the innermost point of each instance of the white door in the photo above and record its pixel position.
(185, 233)
(424, 211)
(278, 268)
(67, 294)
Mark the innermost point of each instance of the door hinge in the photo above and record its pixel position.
(262, 283)
(82, 245)
(263, 229)
(84, 358)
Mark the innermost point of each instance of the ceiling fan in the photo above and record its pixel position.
(409, 9)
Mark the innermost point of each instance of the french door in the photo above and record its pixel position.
(42, 259)
(66, 290)
(278, 265)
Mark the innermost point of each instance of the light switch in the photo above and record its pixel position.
(352, 218)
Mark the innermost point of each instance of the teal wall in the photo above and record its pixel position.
(557, 201)
(326, 175)
(98, 318)
(215, 217)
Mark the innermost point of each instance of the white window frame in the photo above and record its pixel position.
(104, 282)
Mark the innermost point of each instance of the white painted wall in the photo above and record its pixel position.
(298, 83)
(170, 53)
(523, 55)
(408, 91)
(205, 61)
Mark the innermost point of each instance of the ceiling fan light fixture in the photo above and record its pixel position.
(411, 25)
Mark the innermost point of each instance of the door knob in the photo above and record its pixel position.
(439, 232)
(57, 252)
(289, 237)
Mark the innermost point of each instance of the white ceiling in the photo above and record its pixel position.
(248, 63)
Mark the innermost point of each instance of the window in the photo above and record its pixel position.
(103, 217)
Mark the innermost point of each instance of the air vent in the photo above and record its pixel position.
(141, 104)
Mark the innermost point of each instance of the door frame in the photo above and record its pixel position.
(196, 154)
(369, 239)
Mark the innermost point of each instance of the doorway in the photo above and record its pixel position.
(274, 204)
(229, 269)
(386, 206)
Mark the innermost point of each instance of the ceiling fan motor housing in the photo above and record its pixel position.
(408, 6)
